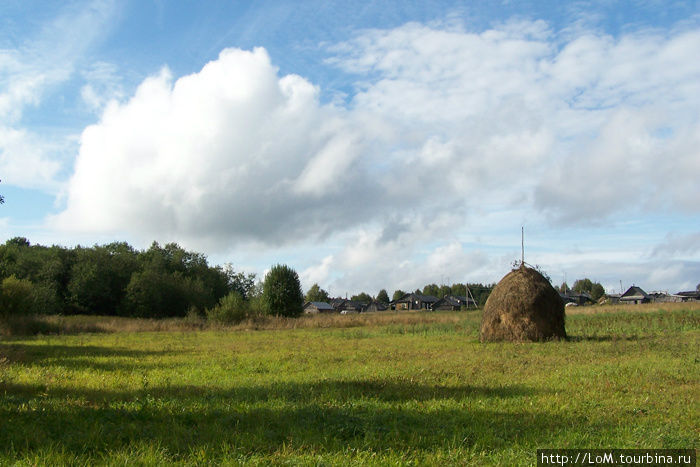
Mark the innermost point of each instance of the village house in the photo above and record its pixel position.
(665, 297)
(312, 308)
(376, 306)
(414, 301)
(345, 306)
(690, 296)
(454, 303)
(634, 296)
(576, 298)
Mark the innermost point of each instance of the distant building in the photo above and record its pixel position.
(453, 302)
(414, 301)
(634, 296)
(575, 298)
(313, 308)
(690, 296)
(376, 306)
(613, 298)
(343, 305)
(665, 297)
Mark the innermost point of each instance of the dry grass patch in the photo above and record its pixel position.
(642, 308)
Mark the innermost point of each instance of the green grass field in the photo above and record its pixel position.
(390, 389)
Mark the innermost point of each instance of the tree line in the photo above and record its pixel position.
(162, 281)
(118, 280)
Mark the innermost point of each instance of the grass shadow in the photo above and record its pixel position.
(326, 416)
(73, 356)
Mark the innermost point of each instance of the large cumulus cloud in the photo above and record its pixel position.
(233, 151)
(445, 127)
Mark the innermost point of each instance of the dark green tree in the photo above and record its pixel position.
(459, 289)
(362, 297)
(282, 293)
(154, 293)
(316, 294)
(238, 281)
(597, 291)
(398, 293)
(383, 296)
(431, 289)
(594, 289)
(481, 292)
(582, 286)
(443, 291)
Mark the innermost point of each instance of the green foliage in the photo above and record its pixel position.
(443, 291)
(99, 277)
(16, 297)
(383, 296)
(594, 289)
(362, 297)
(431, 289)
(282, 293)
(397, 294)
(597, 291)
(316, 294)
(239, 281)
(156, 294)
(459, 289)
(582, 285)
(116, 279)
(231, 309)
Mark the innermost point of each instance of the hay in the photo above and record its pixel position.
(523, 307)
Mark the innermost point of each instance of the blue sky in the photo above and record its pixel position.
(368, 145)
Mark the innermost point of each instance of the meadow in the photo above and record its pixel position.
(374, 389)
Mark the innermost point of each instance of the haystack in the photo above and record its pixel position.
(523, 307)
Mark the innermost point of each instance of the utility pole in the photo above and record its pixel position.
(522, 245)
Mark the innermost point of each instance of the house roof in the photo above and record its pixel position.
(634, 293)
(319, 305)
(415, 296)
(344, 303)
(449, 300)
(462, 298)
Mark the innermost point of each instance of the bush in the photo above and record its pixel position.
(16, 297)
(231, 309)
(282, 293)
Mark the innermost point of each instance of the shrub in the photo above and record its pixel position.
(231, 309)
(16, 297)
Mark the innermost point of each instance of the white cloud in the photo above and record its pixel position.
(23, 159)
(103, 85)
(445, 126)
(28, 73)
(233, 151)
(678, 246)
(317, 274)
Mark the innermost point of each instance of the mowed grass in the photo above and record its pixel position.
(376, 389)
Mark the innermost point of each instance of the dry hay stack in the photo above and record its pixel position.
(523, 307)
